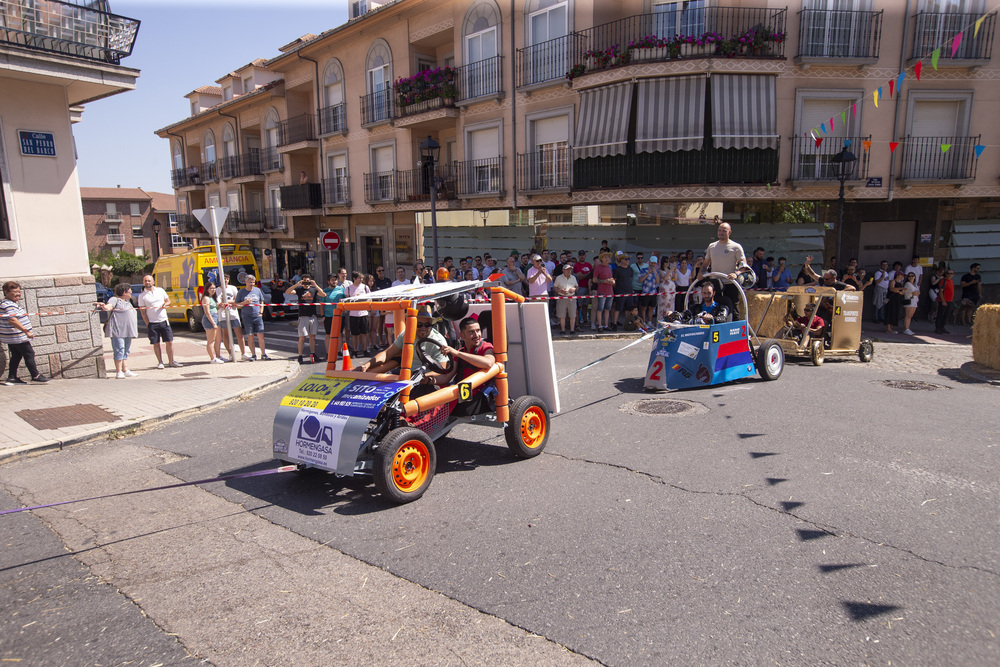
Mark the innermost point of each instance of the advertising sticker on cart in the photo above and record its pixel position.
(315, 391)
(363, 398)
(316, 437)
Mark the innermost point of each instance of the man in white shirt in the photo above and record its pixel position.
(153, 302)
(726, 256)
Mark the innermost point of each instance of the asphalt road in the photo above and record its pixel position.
(823, 518)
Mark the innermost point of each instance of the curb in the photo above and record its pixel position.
(59, 443)
(970, 370)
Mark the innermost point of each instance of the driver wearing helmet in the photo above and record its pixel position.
(387, 361)
(709, 311)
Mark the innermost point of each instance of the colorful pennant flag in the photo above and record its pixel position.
(955, 43)
(892, 87)
(867, 143)
(899, 79)
(822, 126)
(892, 146)
(979, 148)
(831, 125)
(975, 32)
(875, 95)
(916, 69)
(854, 108)
(945, 147)
(847, 143)
(819, 140)
(843, 117)
(934, 58)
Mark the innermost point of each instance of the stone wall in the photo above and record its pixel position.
(67, 344)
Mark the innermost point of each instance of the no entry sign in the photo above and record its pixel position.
(330, 240)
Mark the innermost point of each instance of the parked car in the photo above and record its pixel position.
(136, 291)
(103, 293)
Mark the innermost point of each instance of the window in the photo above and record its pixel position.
(135, 209)
(482, 149)
(549, 57)
(6, 216)
(140, 251)
(112, 210)
(480, 47)
(178, 156)
(332, 114)
(247, 84)
(336, 167)
(137, 231)
(679, 18)
(548, 165)
(172, 220)
(178, 241)
(814, 109)
(227, 93)
(383, 167)
(209, 147)
(378, 80)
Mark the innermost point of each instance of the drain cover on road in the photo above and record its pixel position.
(912, 385)
(664, 406)
(70, 415)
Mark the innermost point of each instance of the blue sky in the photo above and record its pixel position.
(182, 45)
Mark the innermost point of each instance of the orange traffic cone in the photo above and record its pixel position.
(346, 365)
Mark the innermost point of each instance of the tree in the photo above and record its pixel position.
(124, 266)
(779, 212)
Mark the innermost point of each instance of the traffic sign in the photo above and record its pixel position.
(330, 240)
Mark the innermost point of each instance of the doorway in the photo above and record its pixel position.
(372, 253)
(891, 240)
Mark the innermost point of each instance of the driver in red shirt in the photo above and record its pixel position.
(475, 355)
(801, 323)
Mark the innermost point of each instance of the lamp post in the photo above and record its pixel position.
(156, 240)
(429, 150)
(844, 160)
(484, 214)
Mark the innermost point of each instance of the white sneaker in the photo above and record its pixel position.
(160, 366)
(130, 374)
(247, 355)
(216, 361)
(174, 364)
(120, 376)
(225, 360)
(909, 333)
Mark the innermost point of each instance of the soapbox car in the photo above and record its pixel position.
(355, 423)
(699, 355)
(841, 334)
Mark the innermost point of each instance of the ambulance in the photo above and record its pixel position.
(184, 277)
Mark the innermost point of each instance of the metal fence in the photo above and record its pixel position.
(380, 187)
(337, 191)
(296, 129)
(331, 119)
(546, 61)
(480, 177)
(924, 158)
(815, 163)
(377, 107)
(480, 79)
(545, 170)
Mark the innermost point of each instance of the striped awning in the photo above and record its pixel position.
(602, 125)
(670, 114)
(744, 111)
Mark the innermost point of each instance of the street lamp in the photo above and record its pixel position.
(156, 236)
(844, 160)
(429, 151)
(484, 214)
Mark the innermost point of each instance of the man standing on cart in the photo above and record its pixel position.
(726, 256)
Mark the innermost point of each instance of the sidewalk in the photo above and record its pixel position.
(63, 412)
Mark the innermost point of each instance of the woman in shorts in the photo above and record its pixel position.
(210, 322)
(358, 318)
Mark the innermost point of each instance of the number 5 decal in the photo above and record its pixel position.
(656, 369)
(715, 336)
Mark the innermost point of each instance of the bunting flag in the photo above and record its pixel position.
(843, 117)
(899, 80)
(831, 125)
(822, 126)
(934, 58)
(892, 86)
(975, 33)
(875, 95)
(819, 140)
(867, 143)
(854, 108)
(979, 148)
(847, 143)
(892, 147)
(955, 43)
(916, 69)
(945, 147)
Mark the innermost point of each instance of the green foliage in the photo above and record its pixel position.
(124, 266)
(775, 212)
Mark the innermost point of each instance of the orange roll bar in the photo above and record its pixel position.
(361, 375)
(406, 356)
(450, 393)
(333, 344)
(499, 332)
(373, 305)
(503, 398)
(513, 296)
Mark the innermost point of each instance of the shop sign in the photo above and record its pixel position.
(404, 247)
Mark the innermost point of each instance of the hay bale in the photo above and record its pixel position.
(757, 303)
(986, 336)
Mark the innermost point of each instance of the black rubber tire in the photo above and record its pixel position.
(770, 360)
(866, 350)
(193, 324)
(816, 352)
(394, 466)
(527, 415)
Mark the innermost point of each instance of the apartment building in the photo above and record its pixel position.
(129, 220)
(542, 107)
(55, 57)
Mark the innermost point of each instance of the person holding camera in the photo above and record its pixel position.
(307, 291)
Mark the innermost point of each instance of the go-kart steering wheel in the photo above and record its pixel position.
(424, 355)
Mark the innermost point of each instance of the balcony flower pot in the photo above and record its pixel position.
(640, 54)
(696, 50)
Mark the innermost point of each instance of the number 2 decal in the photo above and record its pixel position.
(657, 368)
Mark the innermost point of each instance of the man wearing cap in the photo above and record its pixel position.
(387, 360)
(539, 278)
(566, 285)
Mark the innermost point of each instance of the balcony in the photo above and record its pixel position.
(414, 184)
(307, 196)
(834, 37)
(68, 28)
(116, 239)
(246, 221)
(178, 178)
(295, 131)
(209, 172)
(188, 224)
(337, 191)
(270, 159)
(545, 171)
(480, 178)
(241, 166)
(709, 166)
(480, 79)
(332, 119)
(274, 221)
(380, 187)
(377, 107)
(924, 160)
(548, 61)
(812, 163)
(930, 31)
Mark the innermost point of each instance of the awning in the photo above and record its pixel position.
(602, 126)
(744, 111)
(670, 114)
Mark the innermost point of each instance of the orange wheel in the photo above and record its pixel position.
(528, 429)
(404, 464)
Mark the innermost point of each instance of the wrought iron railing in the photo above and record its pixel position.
(414, 184)
(296, 129)
(188, 224)
(337, 191)
(235, 166)
(380, 186)
(209, 172)
(377, 107)
(331, 119)
(270, 159)
(480, 79)
(829, 33)
(70, 28)
(815, 163)
(179, 178)
(938, 158)
(715, 166)
(274, 221)
(933, 31)
(246, 221)
(545, 170)
(547, 61)
(116, 239)
(480, 177)
(420, 107)
(307, 195)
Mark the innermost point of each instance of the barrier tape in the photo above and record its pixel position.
(224, 478)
